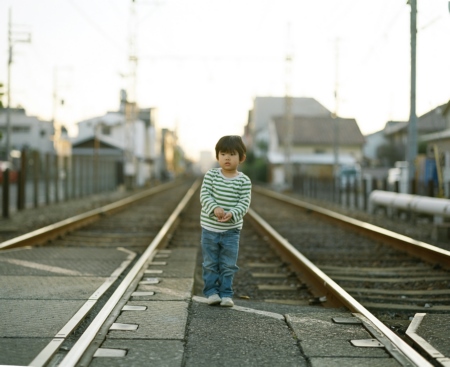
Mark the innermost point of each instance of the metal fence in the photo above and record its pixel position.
(45, 179)
(354, 195)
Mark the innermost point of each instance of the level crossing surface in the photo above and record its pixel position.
(165, 321)
(173, 327)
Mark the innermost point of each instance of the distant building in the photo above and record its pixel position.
(396, 133)
(312, 152)
(133, 143)
(265, 108)
(27, 132)
(438, 146)
(373, 141)
(170, 155)
(313, 138)
(206, 161)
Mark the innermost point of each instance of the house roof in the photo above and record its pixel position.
(304, 106)
(110, 118)
(446, 108)
(429, 122)
(441, 135)
(433, 120)
(392, 127)
(320, 130)
(265, 108)
(19, 117)
(104, 142)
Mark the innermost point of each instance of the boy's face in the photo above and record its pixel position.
(229, 161)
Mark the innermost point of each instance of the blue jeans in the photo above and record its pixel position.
(220, 253)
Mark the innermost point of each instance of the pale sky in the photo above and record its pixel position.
(201, 62)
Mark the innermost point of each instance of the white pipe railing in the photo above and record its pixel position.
(437, 207)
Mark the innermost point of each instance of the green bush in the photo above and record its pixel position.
(255, 168)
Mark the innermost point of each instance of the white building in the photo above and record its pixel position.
(207, 161)
(27, 132)
(134, 142)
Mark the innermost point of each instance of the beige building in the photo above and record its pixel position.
(314, 136)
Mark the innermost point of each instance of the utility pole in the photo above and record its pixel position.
(57, 102)
(289, 122)
(131, 112)
(13, 38)
(411, 150)
(335, 116)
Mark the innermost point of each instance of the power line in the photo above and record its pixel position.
(95, 26)
(384, 34)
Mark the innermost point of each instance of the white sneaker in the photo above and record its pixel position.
(214, 299)
(227, 302)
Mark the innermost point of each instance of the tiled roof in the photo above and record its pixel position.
(429, 122)
(304, 106)
(320, 130)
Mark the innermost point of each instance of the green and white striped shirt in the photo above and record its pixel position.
(232, 194)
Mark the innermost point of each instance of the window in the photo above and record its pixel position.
(20, 129)
(106, 130)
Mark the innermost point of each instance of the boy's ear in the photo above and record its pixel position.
(243, 159)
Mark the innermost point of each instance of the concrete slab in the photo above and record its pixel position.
(44, 287)
(171, 270)
(169, 289)
(103, 268)
(181, 254)
(320, 324)
(130, 244)
(352, 362)
(435, 330)
(111, 235)
(330, 347)
(283, 309)
(34, 318)
(20, 351)
(238, 339)
(321, 337)
(51, 253)
(161, 320)
(174, 269)
(105, 240)
(167, 353)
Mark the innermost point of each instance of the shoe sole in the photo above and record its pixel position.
(214, 303)
(227, 305)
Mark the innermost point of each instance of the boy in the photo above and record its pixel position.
(225, 197)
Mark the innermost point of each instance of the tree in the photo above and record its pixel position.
(255, 168)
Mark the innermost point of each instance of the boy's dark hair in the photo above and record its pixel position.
(229, 144)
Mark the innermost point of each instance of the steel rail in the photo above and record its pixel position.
(52, 231)
(324, 285)
(425, 251)
(77, 351)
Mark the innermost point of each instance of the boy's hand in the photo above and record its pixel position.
(219, 213)
(226, 217)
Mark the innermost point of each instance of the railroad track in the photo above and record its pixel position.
(90, 263)
(263, 275)
(385, 271)
(361, 267)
